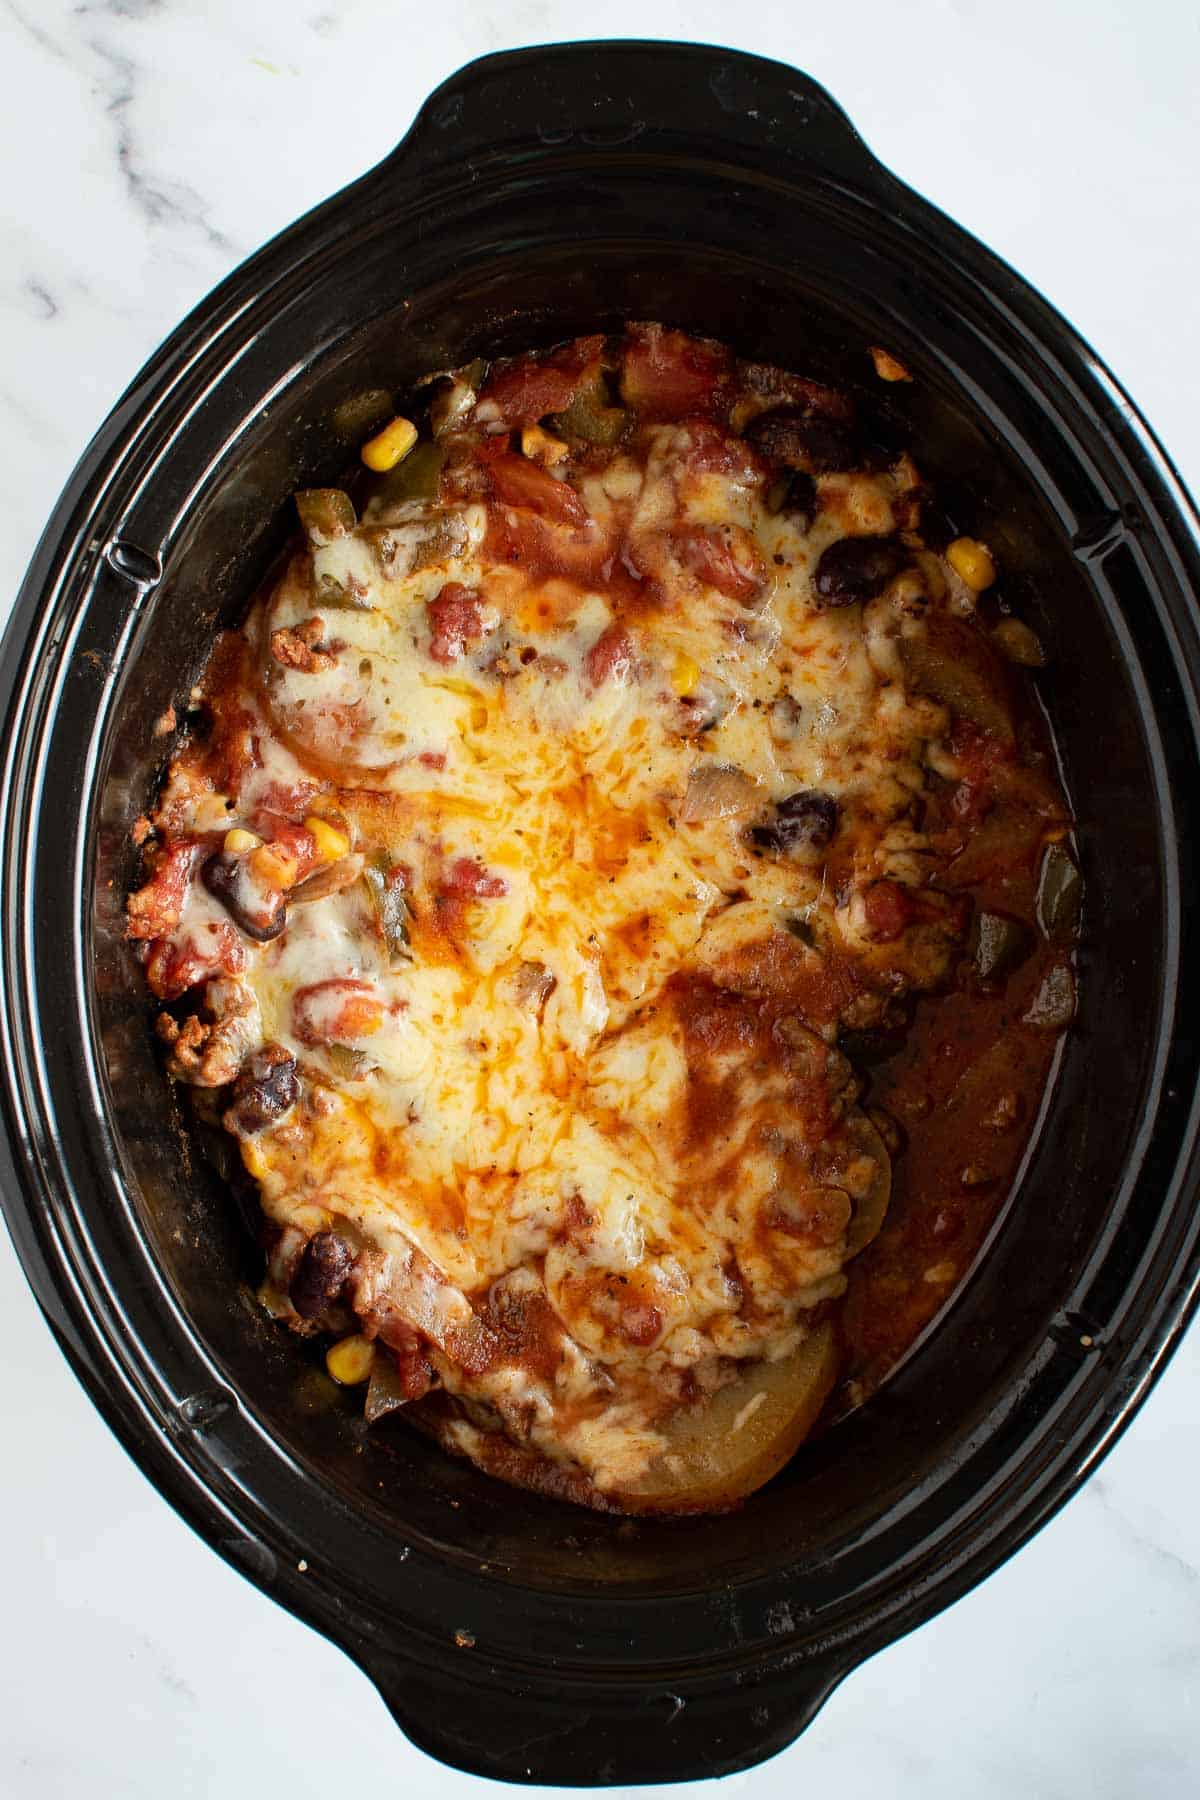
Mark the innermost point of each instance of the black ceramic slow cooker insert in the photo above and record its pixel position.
(539, 195)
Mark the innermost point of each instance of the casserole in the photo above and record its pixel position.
(657, 1652)
(540, 852)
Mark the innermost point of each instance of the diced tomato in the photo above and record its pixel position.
(445, 925)
(529, 387)
(666, 374)
(432, 759)
(173, 966)
(336, 1011)
(467, 876)
(713, 451)
(454, 622)
(542, 549)
(611, 655)
(154, 910)
(293, 841)
(888, 909)
(726, 558)
(519, 482)
(980, 756)
(288, 798)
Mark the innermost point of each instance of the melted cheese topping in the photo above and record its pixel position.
(530, 1090)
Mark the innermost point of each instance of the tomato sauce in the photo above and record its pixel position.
(966, 1085)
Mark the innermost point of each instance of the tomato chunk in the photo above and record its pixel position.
(518, 482)
(665, 374)
(295, 844)
(175, 965)
(529, 387)
(154, 910)
(888, 909)
(336, 1011)
(454, 622)
(714, 451)
(610, 656)
(726, 558)
(467, 875)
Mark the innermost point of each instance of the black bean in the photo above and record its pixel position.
(262, 915)
(804, 440)
(266, 1089)
(858, 568)
(804, 821)
(320, 1274)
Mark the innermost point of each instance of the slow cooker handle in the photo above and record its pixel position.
(485, 1718)
(629, 97)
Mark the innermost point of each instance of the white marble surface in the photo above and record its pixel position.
(147, 146)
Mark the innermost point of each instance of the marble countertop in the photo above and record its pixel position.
(148, 145)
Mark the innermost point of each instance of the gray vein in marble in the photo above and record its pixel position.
(1176, 1564)
(166, 1671)
(170, 203)
(41, 427)
(161, 203)
(40, 37)
(119, 9)
(47, 305)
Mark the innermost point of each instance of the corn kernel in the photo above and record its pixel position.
(238, 841)
(539, 446)
(331, 843)
(685, 675)
(389, 446)
(972, 560)
(351, 1360)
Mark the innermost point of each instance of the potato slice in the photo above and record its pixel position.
(870, 1209)
(718, 1451)
(721, 1450)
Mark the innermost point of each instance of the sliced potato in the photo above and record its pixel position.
(870, 1209)
(718, 1451)
(721, 1450)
